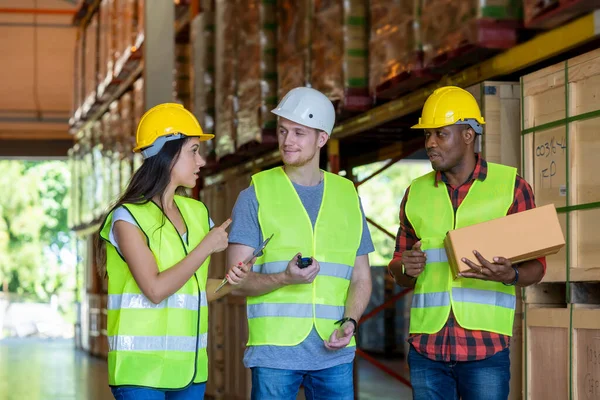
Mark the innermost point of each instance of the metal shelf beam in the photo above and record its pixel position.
(538, 49)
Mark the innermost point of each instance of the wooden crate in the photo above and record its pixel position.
(585, 374)
(94, 323)
(103, 338)
(500, 104)
(562, 338)
(546, 353)
(560, 122)
(237, 378)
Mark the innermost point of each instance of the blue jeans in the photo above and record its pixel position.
(282, 384)
(192, 392)
(487, 379)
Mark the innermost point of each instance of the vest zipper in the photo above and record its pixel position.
(197, 289)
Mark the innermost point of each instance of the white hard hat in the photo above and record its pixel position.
(308, 107)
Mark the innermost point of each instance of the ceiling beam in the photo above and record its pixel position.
(34, 135)
(39, 11)
(35, 148)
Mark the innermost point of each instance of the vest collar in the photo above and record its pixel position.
(479, 172)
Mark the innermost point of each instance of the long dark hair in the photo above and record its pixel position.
(151, 179)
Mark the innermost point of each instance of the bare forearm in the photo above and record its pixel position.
(171, 280)
(358, 298)
(400, 278)
(530, 273)
(257, 284)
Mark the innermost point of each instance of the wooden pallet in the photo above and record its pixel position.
(557, 13)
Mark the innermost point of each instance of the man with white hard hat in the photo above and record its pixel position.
(312, 282)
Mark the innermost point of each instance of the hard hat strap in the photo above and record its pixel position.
(158, 144)
(472, 123)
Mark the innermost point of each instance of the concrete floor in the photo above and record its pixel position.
(42, 369)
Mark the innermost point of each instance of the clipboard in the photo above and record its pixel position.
(247, 260)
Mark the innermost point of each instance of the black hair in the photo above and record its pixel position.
(150, 180)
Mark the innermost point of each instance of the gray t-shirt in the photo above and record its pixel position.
(311, 354)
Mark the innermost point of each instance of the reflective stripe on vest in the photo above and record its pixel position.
(327, 269)
(436, 255)
(476, 304)
(177, 300)
(464, 295)
(157, 343)
(286, 316)
(295, 311)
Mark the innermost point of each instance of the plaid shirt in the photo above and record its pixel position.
(452, 342)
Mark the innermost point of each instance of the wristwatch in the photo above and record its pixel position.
(514, 282)
(345, 319)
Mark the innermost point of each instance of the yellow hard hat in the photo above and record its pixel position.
(450, 105)
(164, 122)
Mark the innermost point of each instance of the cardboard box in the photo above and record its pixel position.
(519, 237)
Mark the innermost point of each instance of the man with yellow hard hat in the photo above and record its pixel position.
(459, 329)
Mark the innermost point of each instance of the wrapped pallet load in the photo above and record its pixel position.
(227, 24)
(181, 76)
(356, 60)
(327, 48)
(126, 34)
(107, 44)
(203, 73)
(448, 28)
(293, 39)
(392, 42)
(257, 75)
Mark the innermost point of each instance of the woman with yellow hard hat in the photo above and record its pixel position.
(158, 248)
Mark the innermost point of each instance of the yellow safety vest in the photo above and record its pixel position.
(477, 304)
(285, 317)
(163, 345)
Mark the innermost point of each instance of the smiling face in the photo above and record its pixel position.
(448, 146)
(187, 165)
(298, 144)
